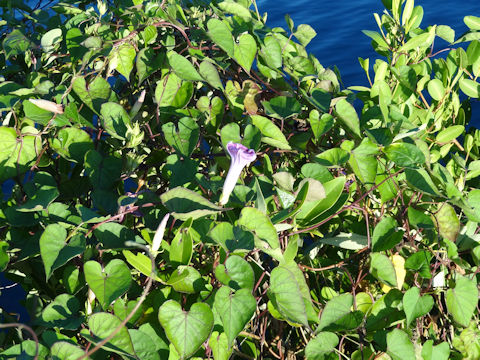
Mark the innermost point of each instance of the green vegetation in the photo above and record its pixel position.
(352, 232)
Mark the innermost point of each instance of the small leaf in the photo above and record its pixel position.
(271, 134)
(183, 137)
(122, 59)
(210, 73)
(473, 22)
(305, 33)
(115, 119)
(237, 273)
(382, 268)
(450, 133)
(470, 87)
(102, 324)
(436, 89)
(447, 222)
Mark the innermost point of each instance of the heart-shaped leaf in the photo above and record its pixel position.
(110, 283)
(462, 300)
(236, 273)
(219, 345)
(54, 249)
(93, 94)
(235, 310)
(183, 137)
(244, 51)
(186, 330)
(415, 305)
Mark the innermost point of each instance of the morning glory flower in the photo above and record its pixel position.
(240, 156)
(47, 105)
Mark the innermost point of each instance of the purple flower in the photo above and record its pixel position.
(241, 156)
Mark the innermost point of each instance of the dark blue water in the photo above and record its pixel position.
(339, 26)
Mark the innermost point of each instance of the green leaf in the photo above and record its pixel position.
(421, 180)
(183, 67)
(183, 137)
(376, 37)
(436, 89)
(322, 344)
(473, 22)
(333, 157)
(50, 39)
(210, 73)
(285, 294)
(16, 154)
(420, 262)
(219, 345)
(102, 325)
(305, 33)
(338, 314)
(470, 87)
(63, 350)
(186, 330)
(62, 313)
(348, 117)
(114, 235)
(109, 283)
(15, 43)
(348, 241)
(422, 41)
(42, 191)
(115, 119)
(72, 144)
(141, 262)
(122, 59)
(144, 345)
(221, 35)
(382, 268)
(446, 33)
(94, 94)
(450, 133)
(438, 352)
(447, 221)
(282, 107)
(399, 346)
(172, 91)
(258, 223)
(148, 62)
(244, 51)
(271, 134)
(181, 248)
(462, 300)
(36, 114)
(236, 273)
(415, 305)
(4, 257)
(405, 154)
(103, 172)
(185, 204)
(310, 211)
(26, 350)
(235, 310)
(320, 125)
(272, 52)
(54, 249)
(235, 9)
(186, 279)
(385, 235)
(232, 238)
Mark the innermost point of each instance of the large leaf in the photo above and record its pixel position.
(15, 43)
(385, 235)
(102, 325)
(94, 94)
(184, 204)
(221, 35)
(54, 249)
(186, 330)
(271, 134)
(405, 154)
(122, 59)
(237, 273)
(348, 116)
(62, 313)
(462, 300)
(235, 310)
(257, 222)
(415, 305)
(399, 346)
(244, 51)
(109, 283)
(115, 119)
(338, 315)
(183, 67)
(382, 268)
(183, 136)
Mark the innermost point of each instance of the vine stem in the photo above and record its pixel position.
(27, 328)
(140, 301)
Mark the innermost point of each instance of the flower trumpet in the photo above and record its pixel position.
(241, 156)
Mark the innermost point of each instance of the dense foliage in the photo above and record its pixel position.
(352, 231)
